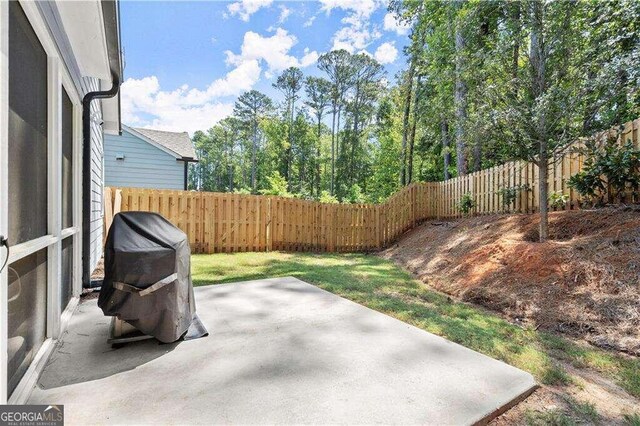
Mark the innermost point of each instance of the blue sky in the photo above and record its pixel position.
(186, 62)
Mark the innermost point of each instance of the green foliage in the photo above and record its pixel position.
(510, 194)
(631, 419)
(326, 197)
(355, 194)
(242, 191)
(347, 126)
(558, 200)
(554, 417)
(609, 171)
(585, 410)
(276, 185)
(466, 203)
(555, 375)
(588, 183)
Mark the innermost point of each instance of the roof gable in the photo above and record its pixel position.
(177, 144)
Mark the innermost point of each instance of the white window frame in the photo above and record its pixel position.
(4, 184)
(58, 78)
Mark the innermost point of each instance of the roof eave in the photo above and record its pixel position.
(111, 18)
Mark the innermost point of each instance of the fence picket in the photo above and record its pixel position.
(223, 222)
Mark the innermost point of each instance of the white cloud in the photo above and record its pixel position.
(357, 32)
(144, 104)
(391, 24)
(273, 50)
(284, 14)
(309, 58)
(309, 22)
(245, 8)
(386, 53)
(355, 37)
(362, 8)
(143, 97)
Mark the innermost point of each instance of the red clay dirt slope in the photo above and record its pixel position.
(585, 282)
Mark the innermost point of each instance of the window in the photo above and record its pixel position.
(66, 273)
(67, 160)
(27, 151)
(41, 160)
(27, 289)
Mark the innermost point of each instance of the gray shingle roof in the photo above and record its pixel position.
(178, 142)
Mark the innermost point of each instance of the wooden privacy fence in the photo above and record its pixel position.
(487, 187)
(221, 222)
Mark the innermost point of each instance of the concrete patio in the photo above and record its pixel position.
(280, 351)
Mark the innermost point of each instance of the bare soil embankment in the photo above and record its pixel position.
(584, 282)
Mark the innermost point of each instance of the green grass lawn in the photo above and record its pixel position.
(380, 285)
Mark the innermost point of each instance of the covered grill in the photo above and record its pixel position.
(147, 276)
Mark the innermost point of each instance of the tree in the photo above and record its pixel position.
(544, 114)
(250, 108)
(360, 110)
(318, 91)
(276, 185)
(289, 84)
(337, 65)
(460, 96)
(484, 83)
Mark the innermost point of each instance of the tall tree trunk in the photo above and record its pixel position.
(446, 149)
(318, 157)
(333, 150)
(254, 150)
(405, 121)
(538, 60)
(543, 191)
(412, 135)
(338, 134)
(460, 100)
(515, 16)
(477, 155)
(287, 151)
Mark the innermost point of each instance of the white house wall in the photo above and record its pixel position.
(51, 15)
(97, 175)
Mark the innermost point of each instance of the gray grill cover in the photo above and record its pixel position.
(147, 275)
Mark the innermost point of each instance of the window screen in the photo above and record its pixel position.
(27, 313)
(66, 269)
(27, 130)
(67, 161)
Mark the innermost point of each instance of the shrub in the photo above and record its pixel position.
(355, 195)
(466, 203)
(558, 200)
(242, 191)
(277, 186)
(510, 194)
(589, 185)
(608, 172)
(325, 197)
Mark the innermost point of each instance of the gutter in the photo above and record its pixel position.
(86, 174)
(186, 161)
(111, 20)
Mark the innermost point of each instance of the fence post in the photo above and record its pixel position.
(413, 205)
(332, 229)
(268, 228)
(108, 213)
